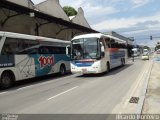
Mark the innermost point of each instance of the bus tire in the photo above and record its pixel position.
(108, 67)
(122, 62)
(6, 79)
(62, 70)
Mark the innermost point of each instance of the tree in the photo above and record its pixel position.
(70, 11)
(146, 47)
(157, 46)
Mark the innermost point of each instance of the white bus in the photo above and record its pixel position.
(136, 52)
(97, 53)
(25, 56)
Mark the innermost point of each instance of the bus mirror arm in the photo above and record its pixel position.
(102, 54)
(67, 50)
(102, 48)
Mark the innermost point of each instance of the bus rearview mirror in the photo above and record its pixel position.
(67, 50)
(102, 48)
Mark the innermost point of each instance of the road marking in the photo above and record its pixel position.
(62, 93)
(144, 91)
(46, 82)
(2, 93)
(140, 78)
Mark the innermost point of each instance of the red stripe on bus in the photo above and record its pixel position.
(86, 61)
(113, 49)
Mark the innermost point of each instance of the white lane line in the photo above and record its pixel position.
(62, 93)
(2, 93)
(47, 82)
(140, 78)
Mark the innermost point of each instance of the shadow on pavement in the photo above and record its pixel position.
(111, 72)
(33, 81)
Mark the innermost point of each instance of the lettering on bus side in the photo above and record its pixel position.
(7, 61)
(45, 61)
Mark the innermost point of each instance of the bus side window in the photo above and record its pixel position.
(103, 42)
(117, 45)
(6, 50)
(10, 46)
(63, 50)
(29, 51)
(44, 50)
(28, 44)
(54, 50)
(108, 45)
(112, 43)
(58, 50)
(18, 46)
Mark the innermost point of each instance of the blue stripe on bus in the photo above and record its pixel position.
(115, 56)
(82, 64)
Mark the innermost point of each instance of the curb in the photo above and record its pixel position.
(143, 94)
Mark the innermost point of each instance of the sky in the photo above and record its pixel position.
(132, 18)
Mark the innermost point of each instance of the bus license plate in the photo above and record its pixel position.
(84, 70)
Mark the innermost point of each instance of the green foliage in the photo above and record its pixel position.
(70, 11)
(146, 47)
(157, 46)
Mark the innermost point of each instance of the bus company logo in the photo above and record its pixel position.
(44, 61)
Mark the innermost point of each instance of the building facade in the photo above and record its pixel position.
(45, 19)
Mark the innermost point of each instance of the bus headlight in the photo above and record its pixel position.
(95, 67)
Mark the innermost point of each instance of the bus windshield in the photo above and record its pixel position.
(85, 48)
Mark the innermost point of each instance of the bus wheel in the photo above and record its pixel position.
(62, 70)
(108, 67)
(6, 80)
(122, 62)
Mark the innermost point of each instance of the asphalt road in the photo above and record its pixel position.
(72, 94)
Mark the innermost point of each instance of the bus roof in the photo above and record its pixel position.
(98, 35)
(30, 37)
(116, 39)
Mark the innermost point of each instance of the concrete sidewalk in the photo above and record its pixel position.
(152, 99)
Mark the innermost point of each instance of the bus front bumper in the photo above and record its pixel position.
(83, 70)
(86, 67)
